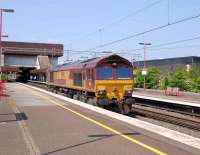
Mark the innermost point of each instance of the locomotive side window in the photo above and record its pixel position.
(78, 80)
(104, 73)
(51, 76)
(124, 73)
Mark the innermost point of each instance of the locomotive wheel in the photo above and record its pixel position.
(75, 97)
(68, 95)
(121, 109)
(126, 108)
(92, 101)
(83, 99)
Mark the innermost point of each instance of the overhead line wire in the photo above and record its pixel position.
(133, 13)
(186, 46)
(176, 42)
(147, 31)
(164, 44)
(117, 21)
(152, 47)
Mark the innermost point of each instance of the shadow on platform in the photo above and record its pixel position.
(102, 136)
(18, 117)
(21, 116)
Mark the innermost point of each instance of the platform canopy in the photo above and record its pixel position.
(29, 55)
(28, 48)
(7, 69)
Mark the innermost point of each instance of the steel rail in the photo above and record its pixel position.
(184, 121)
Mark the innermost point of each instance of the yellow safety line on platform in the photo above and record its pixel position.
(152, 149)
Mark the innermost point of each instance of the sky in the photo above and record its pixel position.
(69, 22)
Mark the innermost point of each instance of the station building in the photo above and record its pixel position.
(171, 64)
(22, 57)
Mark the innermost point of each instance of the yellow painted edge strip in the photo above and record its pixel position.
(152, 149)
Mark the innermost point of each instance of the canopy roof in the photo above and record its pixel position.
(28, 48)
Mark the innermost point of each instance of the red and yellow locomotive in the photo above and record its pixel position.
(104, 81)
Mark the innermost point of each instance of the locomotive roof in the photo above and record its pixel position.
(91, 63)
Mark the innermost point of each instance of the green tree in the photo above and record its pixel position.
(139, 79)
(152, 78)
(193, 73)
(192, 79)
(178, 79)
(189, 81)
(198, 84)
(163, 81)
(2, 77)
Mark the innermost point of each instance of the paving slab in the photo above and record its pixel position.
(11, 139)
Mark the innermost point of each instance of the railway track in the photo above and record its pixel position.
(169, 117)
(162, 114)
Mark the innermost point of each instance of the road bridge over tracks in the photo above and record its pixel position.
(21, 57)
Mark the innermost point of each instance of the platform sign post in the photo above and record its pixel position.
(144, 73)
(1, 30)
(2, 85)
(1, 14)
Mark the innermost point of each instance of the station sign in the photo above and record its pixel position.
(144, 72)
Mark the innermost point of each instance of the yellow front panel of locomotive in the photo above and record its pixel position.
(115, 89)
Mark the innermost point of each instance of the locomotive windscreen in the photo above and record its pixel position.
(124, 73)
(104, 73)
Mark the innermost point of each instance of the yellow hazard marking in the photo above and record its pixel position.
(150, 148)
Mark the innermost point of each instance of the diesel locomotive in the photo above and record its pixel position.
(103, 81)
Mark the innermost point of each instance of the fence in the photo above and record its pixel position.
(2, 88)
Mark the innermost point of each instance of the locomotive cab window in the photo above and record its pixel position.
(104, 73)
(124, 73)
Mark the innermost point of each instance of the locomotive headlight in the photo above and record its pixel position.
(102, 92)
(114, 64)
(128, 92)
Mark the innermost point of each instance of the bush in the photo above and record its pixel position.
(164, 82)
(2, 77)
(189, 81)
(198, 84)
(192, 80)
(139, 79)
(178, 79)
(152, 78)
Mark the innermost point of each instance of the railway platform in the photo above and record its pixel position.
(185, 98)
(36, 122)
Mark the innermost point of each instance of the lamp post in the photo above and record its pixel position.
(4, 36)
(84, 57)
(1, 28)
(144, 72)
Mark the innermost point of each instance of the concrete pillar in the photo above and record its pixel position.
(2, 60)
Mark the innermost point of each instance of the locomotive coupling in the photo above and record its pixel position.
(129, 101)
